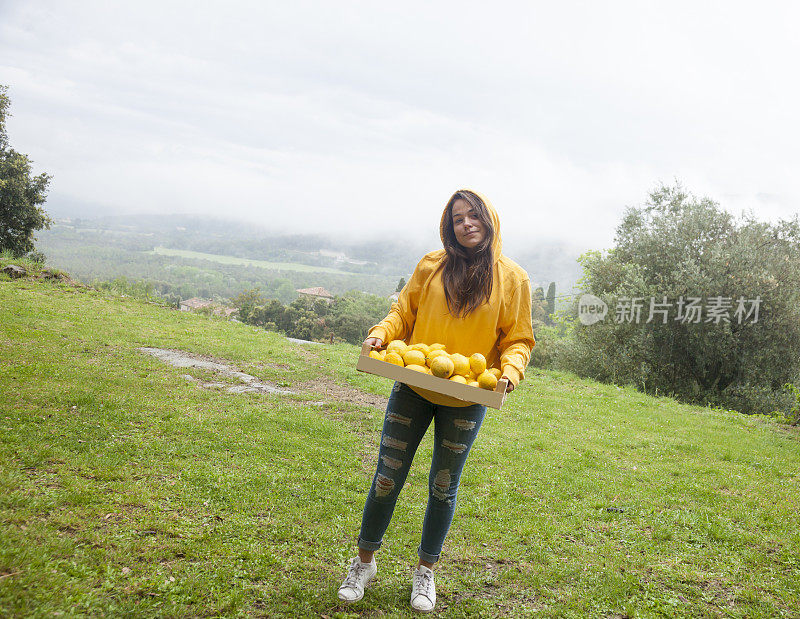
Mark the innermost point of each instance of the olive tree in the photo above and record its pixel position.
(718, 301)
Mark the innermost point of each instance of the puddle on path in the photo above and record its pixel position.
(320, 386)
(247, 383)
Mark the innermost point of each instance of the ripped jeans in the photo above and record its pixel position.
(408, 416)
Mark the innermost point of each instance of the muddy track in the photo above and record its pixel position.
(246, 383)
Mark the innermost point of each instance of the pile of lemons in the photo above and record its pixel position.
(434, 359)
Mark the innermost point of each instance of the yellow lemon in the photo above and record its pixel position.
(487, 380)
(393, 357)
(418, 368)
(442, 366)
(414, 357)
(457, 378)
(471, 376)
(461, 364)
(424, 348)
(473, 383)
(496, 371)
(433, 354)
(375, 355)
(437, 346)
(477, 363)
(398, 346)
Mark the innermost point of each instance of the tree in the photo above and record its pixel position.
(401, 284)
(677, 248)
(21, 193)
(538, 306)
(247, 303)
(551, 302)
(355, 312)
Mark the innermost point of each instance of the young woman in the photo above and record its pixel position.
(471, 298)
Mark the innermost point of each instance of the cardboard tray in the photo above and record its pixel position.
(492, 399)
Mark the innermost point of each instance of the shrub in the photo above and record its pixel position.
(678, 247)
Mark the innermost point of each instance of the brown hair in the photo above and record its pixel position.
(467, 277)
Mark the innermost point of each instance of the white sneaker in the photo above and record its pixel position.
(423, 591)
(358, 576)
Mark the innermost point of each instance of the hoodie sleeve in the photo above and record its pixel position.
(399, 323)
(516, 340)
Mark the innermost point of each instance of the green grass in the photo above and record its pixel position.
(272, 266)
(127, 490)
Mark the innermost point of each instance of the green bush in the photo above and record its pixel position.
(550, 341)
(794, 411)
(37, 257)
(677, 247)
(349, 317)
(140, 289)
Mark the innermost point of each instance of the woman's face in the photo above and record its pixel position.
(469, 230)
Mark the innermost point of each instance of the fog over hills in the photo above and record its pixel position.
(390, 256)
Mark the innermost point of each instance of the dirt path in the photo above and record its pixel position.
(247, 383)
(322, 386)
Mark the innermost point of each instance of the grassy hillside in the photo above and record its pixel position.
(128, 489)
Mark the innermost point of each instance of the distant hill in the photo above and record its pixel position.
(123, 246)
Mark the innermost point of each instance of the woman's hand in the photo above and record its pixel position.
(375, 342)
(509, 386)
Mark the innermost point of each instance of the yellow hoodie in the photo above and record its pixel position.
(500, 329)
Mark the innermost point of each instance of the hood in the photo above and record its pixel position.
(497, 244)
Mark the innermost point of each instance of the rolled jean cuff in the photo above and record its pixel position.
(368, 546)
(426, 557)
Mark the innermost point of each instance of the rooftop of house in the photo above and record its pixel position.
(319, 291)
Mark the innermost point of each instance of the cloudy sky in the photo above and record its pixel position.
(363, 118)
